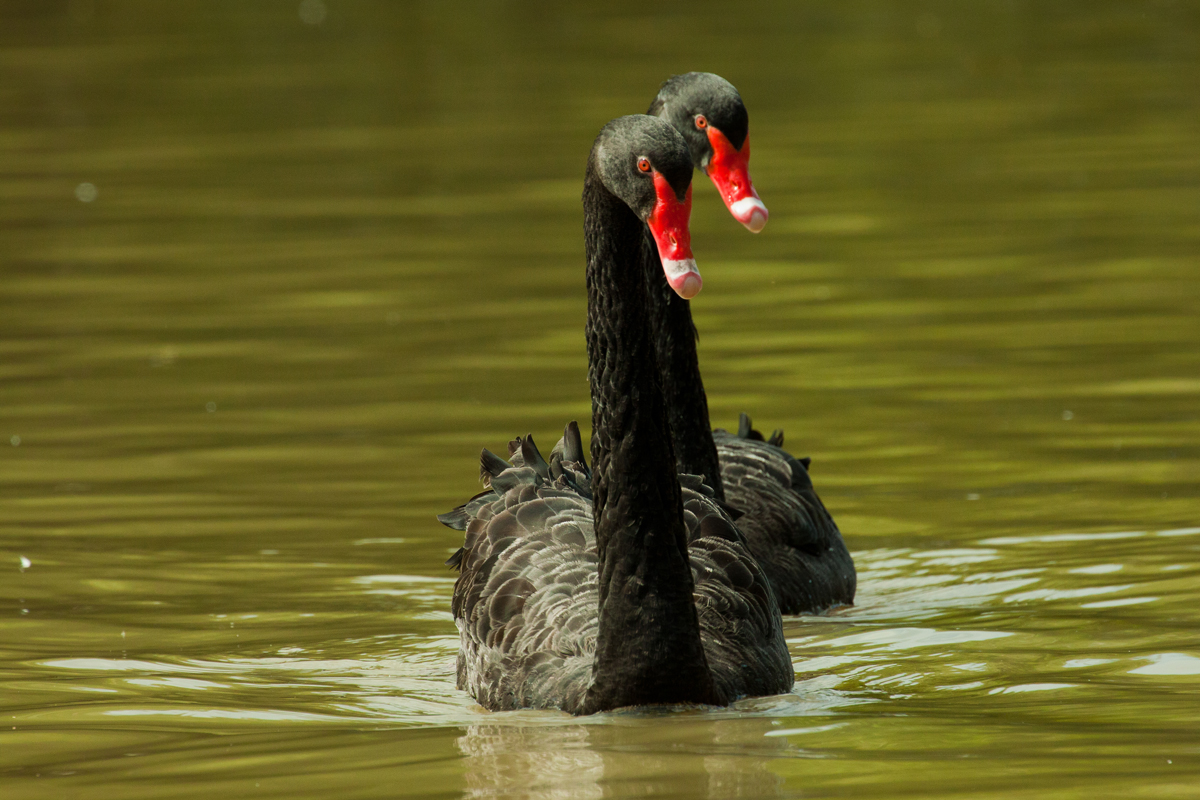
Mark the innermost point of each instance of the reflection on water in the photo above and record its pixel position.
(679, 757)
(273, 273)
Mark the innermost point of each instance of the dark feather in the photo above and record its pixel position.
(511, 477)
(573, 446)
(746, 429)
(533, 458)
(456, 519)
(788, 529)
(734, 513)
(527, 597)
(490, 465)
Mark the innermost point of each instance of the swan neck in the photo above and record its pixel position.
(674, 335)
(648, 646)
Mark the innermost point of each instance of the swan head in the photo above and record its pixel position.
(645, 162)
(709, 113)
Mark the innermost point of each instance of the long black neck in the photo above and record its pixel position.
(648, 646)
(679, 368)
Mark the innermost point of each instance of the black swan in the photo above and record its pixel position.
(623, 585)
(790, 532)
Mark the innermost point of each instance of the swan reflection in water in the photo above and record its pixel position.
(629, 754)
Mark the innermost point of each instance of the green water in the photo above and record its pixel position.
(267, 285)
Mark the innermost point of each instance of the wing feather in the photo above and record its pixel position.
(526, 600)
(787, 527)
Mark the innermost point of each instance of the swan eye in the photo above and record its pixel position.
(701, 122)
(644, 164)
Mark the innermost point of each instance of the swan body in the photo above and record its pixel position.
(624, 584)
(787, 527)
(527, 597)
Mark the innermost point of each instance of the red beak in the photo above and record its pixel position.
(730, 171)
(669, 224)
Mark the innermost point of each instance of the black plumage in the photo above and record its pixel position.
(527, 598)
(625, 584)
(787, 527)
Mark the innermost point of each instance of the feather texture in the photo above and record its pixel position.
(527, 598)
(785, 523)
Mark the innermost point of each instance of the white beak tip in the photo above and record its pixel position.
(684, 277)
(751, 212)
